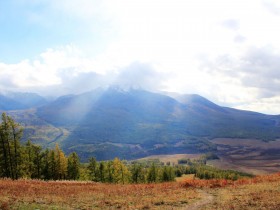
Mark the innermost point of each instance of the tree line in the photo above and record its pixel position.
(18, 160)
(28, 160)
(201, 170)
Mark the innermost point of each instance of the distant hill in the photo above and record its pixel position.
(19, 101)
(134, 123)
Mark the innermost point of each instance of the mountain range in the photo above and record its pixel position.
(133, 123)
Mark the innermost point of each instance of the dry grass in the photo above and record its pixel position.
(261, 192)
(171, 158)
(247, 155)
(30, 194)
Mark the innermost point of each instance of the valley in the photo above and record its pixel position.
(132, 124)
(247, 155)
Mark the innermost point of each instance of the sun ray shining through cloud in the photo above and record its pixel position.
(227, 51)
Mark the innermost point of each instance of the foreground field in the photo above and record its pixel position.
(87, 195)
(262, 192)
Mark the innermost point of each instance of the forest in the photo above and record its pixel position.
(31, 161)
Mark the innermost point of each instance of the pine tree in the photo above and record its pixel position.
(37, 150)
(110, 171)
(16, 134)
(73, 167)
(152, 174)
(53, 166)
(92, 167)
(29, 161)
(137, 175)
(46, 165)
(101, 172)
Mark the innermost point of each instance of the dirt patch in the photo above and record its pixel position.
(206, 199)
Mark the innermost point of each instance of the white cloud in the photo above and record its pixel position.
(264, 105)
(219, 49)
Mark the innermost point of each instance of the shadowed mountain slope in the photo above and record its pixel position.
(134, 123)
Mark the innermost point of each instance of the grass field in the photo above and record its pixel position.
(261, 192)
(247, 155)
(86, 195)
(171, 158)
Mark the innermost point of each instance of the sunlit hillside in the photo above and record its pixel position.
(261, 192)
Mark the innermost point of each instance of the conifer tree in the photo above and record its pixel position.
(137, 175)
(110, 171)
(93, 170)
(73, 167)
(152, 174)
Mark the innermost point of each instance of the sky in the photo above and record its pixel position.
(225, 50)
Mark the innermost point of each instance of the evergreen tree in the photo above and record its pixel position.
(93, 170)
(46, 165)
(110, 171)
(16, 131)
(10, 134)
(152, 174)
(137, 175)
(29, 161)
(37, 150)
(73, 167)
(101, 172)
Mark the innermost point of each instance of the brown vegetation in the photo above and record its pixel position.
(31, 194)
(247, 155)
(261, 192)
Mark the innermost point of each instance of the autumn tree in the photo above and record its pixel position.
(110, 171)
(121, 173)
(61, 163)
(10, 135)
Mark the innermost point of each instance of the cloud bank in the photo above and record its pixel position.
(227, 51)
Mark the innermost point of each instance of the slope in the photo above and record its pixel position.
(136, 123)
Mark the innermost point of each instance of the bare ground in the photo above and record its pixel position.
(206, 199)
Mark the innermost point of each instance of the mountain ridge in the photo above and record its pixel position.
(134, 123)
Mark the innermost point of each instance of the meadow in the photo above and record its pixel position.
(247, 155)
(260, 192)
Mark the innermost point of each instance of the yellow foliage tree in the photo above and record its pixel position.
(61, 163)
(121, 173)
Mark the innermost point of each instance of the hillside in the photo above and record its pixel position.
(135, 123)
(20, 101)
(261, 192)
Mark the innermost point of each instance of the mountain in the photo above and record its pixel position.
(20, 101)
(134, 123)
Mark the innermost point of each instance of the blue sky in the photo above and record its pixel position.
(227, 51)
(30, 27)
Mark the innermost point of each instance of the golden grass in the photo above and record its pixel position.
(261, 192)
(262, 195)
(26, 194)
(173, 159)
